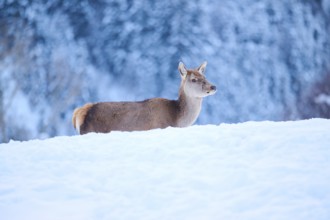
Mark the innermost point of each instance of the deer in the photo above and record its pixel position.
(154, 113)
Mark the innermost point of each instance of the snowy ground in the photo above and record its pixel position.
(253, 170)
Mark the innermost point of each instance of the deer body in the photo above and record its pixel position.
(153, 113)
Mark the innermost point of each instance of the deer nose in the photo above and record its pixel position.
(213, 88)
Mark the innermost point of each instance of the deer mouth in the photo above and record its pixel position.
(211, 92)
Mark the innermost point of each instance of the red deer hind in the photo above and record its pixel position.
(149, 114)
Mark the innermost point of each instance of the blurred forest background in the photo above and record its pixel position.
(269, 59)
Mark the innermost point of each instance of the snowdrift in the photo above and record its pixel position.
(253, 170)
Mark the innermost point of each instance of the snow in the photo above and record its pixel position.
(323, 99)
(253, 170)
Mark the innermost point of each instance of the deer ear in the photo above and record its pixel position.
(182, 70)
(201, 68)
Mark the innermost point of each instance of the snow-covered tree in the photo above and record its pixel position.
(264, 56)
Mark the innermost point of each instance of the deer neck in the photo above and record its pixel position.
(189, 109)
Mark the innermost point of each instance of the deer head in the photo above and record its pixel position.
(194, 83)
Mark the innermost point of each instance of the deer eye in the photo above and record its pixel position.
(194, 80)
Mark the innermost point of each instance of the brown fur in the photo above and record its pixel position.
(129, 116)
(79, 114)
(153, 113)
